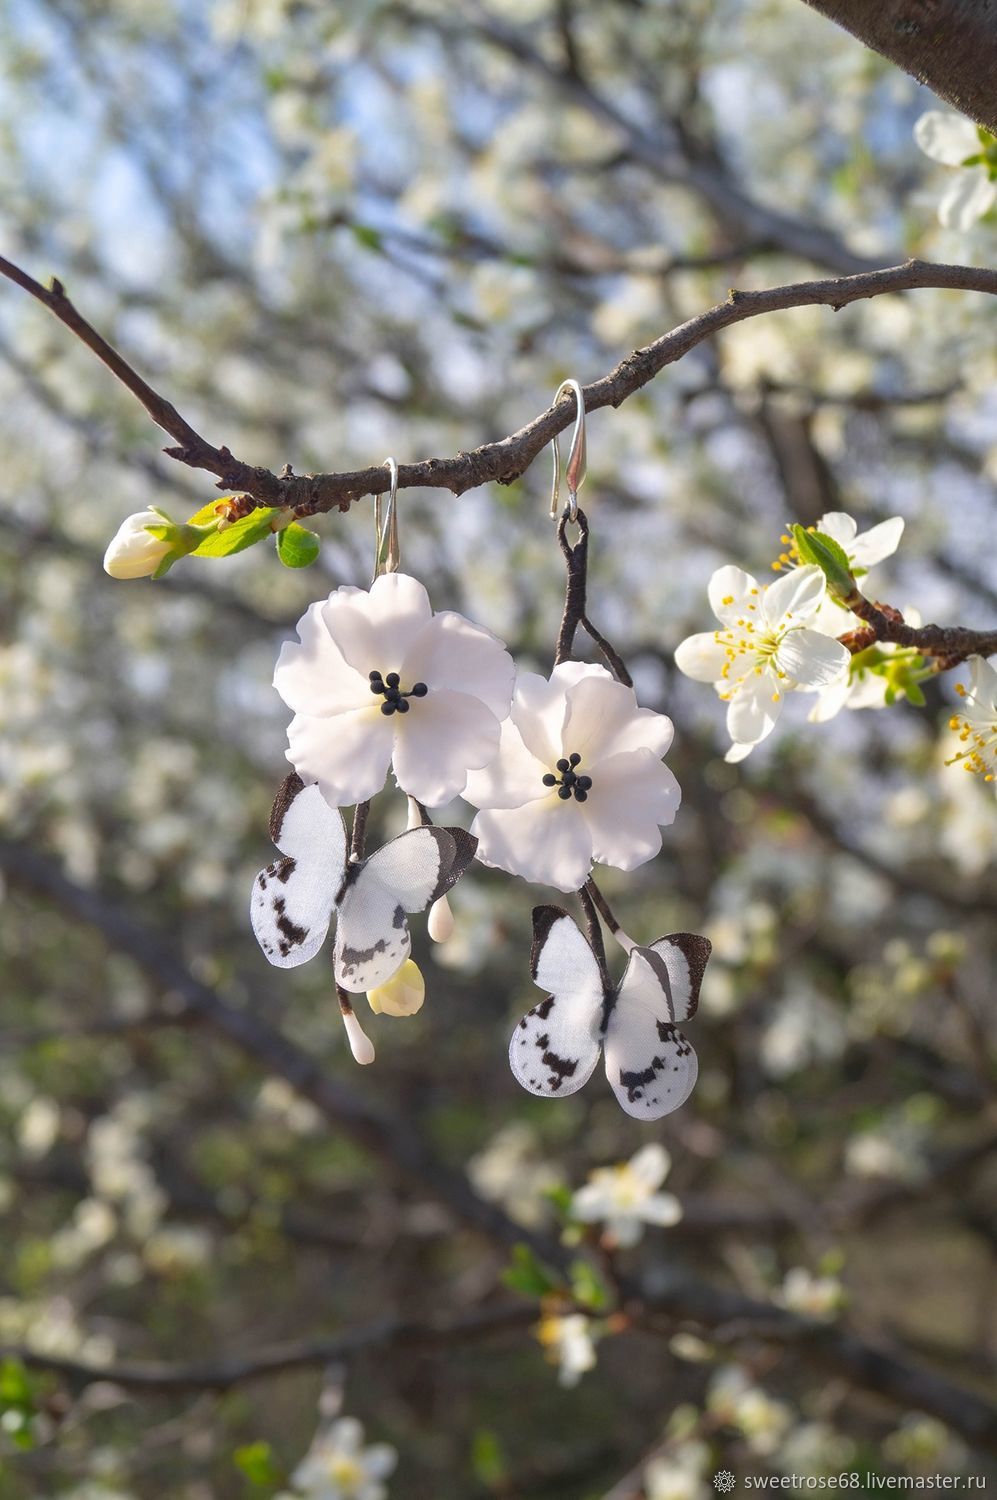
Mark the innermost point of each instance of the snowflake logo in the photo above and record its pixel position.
(724, 1481)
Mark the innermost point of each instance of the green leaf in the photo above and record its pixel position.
(256, 1461)
(297, 547)
(822, 550)
(368, 236)
(237, 537)
(528, 1274)
(587, 1286)
(487, 1459)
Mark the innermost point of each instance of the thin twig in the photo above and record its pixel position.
(505, 460)
(950, 645)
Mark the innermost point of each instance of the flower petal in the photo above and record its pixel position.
(603, 719)
(650, 1165)
(731, 590)
(701, 657)
(794, 598)
(840, 527)
(810, 659)
(877, 543)
(830, 701)
(347, 754)
(445, 735)
(663, 1209)
(451, 652)
(312, 675)
(631, 794)
(548, 842)
(946, 137)
(967, 198)
(512, 778)
(374, 630)
(538, 711)
(755, 707)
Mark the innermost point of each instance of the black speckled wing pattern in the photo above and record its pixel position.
(650, 1064)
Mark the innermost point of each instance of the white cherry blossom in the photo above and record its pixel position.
(626, 1198)
(339, 1467)
(864, 549)
(976, 721)
(578, 777)
(377, 680)
(952, 140)
(568, 1343)
(765, 647)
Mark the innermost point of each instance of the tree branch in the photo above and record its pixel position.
(232, 1370)
(951, 45)
(505, 460)
(950, 645)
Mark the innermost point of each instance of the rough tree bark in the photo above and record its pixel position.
(951, 45)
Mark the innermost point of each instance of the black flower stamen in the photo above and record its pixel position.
(389, 688)
(569, 784)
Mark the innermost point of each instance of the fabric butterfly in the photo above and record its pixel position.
(294, 898)
(650, 1065)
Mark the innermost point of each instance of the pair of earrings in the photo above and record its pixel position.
(565, 772)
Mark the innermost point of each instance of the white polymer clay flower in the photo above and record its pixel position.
(955, 141)
(765, 647)
(578, 777)
(376, 680)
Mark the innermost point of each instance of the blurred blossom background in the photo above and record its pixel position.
(334, 232)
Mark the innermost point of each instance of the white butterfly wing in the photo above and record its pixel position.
(650, 1065)
(555, 1047)
(686, 955)
(405, 875)
(293, 898)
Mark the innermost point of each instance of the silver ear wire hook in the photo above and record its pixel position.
(386, 554)
(575, 471)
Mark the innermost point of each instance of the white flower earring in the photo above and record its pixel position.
(578, 779)
(376, 680)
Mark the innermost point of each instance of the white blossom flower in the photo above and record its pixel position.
(737, 1402)
(339, 1467)
(375, 679)
(568, 1344)
(678, 1474)
(864, 549)
(578, 777)
(955, 142)
(763, 649)
(976, 721)
(626, 1197)
(811, 1296)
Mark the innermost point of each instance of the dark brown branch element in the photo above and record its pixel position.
(951, 45)
(950, 645)
(503, 461)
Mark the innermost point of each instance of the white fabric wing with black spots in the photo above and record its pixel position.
(555, 1047)
(650, 1064)
(293, 899)
(405, 875)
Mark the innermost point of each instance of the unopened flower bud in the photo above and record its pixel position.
(441, 923)
(148, 543)
(402, 995)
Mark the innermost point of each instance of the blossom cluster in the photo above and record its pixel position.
(564, 771)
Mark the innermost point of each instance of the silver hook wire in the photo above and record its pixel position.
(386, 554)
(576, 467)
